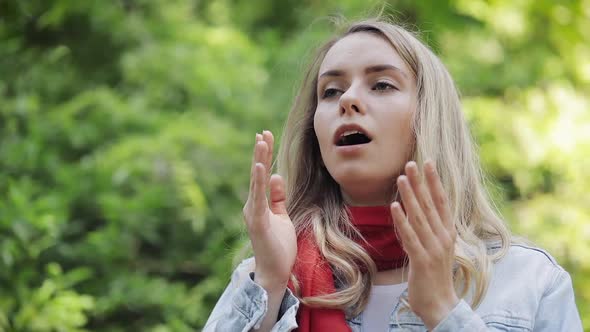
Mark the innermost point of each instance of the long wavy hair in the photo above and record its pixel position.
(315, 203)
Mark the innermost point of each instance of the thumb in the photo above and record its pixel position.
(277, 195)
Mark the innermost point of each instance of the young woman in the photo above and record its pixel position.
(379, 220)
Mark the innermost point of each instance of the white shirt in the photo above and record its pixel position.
(381, 302)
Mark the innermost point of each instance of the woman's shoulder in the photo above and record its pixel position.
(526, 282)
(526, 267)
(525, 255)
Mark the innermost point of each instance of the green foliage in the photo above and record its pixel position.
(126, 130)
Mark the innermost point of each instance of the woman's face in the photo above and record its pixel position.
(366, 101)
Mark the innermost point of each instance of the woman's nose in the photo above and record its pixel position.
(350, 102)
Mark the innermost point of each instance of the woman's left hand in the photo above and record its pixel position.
(428, 236)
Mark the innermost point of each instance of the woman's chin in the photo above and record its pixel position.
(355, 175)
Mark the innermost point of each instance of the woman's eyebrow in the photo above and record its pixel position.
(368, 70)
(333, 72)
(378, 68)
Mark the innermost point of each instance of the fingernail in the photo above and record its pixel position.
(401, 178)
(431, 167)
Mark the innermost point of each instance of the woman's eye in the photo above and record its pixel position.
(330, 93)
(383, 86)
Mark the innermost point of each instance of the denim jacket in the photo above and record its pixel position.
(528, 291)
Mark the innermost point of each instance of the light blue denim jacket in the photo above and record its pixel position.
(528, 291)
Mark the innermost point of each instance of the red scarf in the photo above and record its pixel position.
(315, 275)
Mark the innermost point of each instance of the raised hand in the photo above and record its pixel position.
(428, 235)
(269, 227)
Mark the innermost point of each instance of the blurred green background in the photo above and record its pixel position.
(126, 129)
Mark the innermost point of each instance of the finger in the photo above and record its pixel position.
(438, 194)
(258, 138)
(413, 174)
(277, 195)
(260, 151)
(258, 218)
(414, 211)
(260, 201)
(269, 139)
(410, 241)
(423, 196)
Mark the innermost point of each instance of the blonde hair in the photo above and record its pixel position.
(315, 203)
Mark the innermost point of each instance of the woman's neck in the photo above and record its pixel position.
(365, 197)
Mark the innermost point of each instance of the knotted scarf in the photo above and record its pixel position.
(315, 274)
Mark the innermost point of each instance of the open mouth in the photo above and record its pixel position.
(352, 137)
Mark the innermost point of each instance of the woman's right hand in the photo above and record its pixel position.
(270, 229)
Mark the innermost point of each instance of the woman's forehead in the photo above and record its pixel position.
(361, 50)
